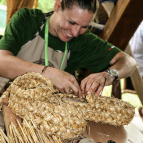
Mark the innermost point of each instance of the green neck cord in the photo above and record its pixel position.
(46, 46)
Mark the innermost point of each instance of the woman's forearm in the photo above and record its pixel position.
(11, 66)
(124, 64)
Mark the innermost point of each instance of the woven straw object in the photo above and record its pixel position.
(34, 98)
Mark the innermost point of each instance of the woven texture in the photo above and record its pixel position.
(34, 98)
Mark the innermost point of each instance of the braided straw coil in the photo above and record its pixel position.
(34, 98)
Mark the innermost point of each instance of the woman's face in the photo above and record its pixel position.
(70, 23)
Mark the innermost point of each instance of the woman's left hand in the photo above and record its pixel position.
(95, 83)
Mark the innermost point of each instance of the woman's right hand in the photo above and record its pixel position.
(62, 80)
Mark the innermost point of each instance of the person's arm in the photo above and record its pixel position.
(123, 63)
(12, 66)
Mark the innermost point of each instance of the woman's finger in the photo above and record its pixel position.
(94, 87)
(99, 90)
(89, 84)
(75, 87)
(83, 85)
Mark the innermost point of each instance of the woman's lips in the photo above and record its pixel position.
(68, 35)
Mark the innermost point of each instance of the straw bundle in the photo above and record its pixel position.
(27, 133)
(34, 98)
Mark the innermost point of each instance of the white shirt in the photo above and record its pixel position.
(136, 44)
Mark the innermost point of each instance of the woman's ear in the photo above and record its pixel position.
(57, 5)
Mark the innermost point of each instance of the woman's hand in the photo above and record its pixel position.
(62, 80)
(123, 63)
(95, 83)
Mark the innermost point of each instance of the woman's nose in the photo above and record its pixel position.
(76, 30)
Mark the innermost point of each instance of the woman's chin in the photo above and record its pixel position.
(65, 39)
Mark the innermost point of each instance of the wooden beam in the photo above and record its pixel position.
(116, 89)
(124, 20)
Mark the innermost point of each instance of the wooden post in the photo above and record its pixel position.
(15, 5)
(116, 89)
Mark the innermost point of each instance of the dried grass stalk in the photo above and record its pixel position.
(16, 136)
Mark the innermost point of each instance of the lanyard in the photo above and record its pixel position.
(46, 46)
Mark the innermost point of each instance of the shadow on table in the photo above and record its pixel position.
(102, 133)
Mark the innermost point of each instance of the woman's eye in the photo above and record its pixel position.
(85, 27)
(72, 23)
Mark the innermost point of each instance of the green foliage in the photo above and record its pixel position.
(133, 99)
(3, 2)
(46, 5)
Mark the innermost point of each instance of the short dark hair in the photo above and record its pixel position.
(90, 5)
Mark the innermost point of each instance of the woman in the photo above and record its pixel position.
(69, 46)
(68, 23)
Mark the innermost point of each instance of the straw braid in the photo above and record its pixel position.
(34, 98)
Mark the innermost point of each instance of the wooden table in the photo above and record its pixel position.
(101, 133)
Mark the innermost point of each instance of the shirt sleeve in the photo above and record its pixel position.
(95, 54)
(22, 26)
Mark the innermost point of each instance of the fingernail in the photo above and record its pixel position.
(96, 94)
(80, 96)
(82, 92)
(88, 92)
